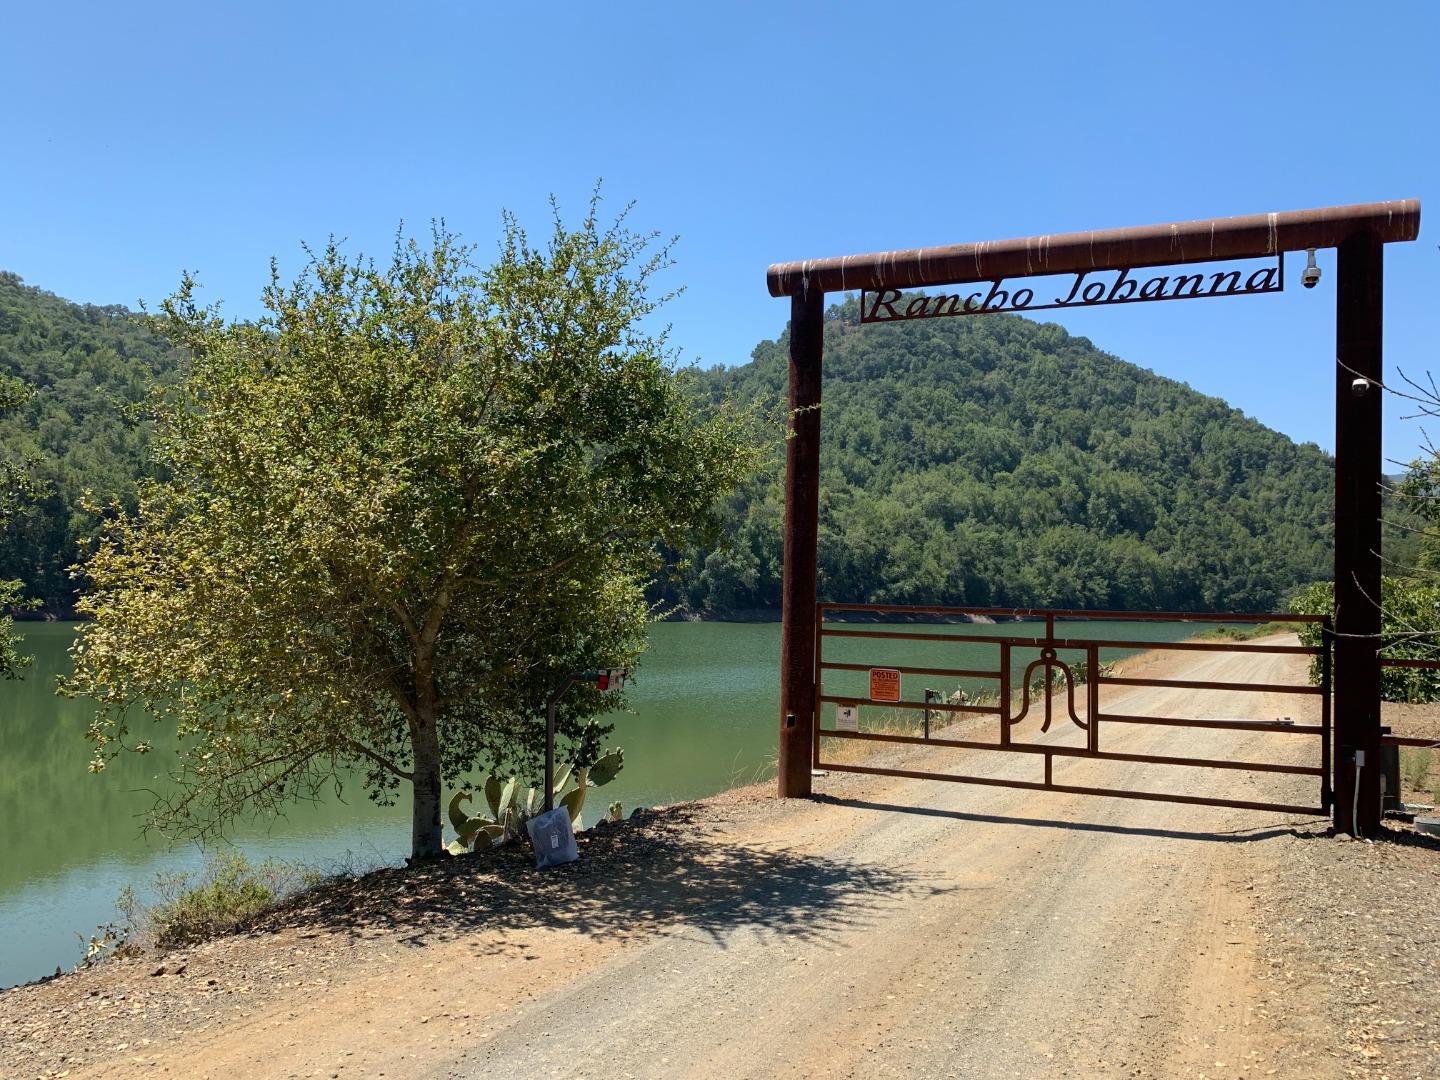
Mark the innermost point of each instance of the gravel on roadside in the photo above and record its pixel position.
(1351, 928)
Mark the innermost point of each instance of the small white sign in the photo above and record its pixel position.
(847, 718)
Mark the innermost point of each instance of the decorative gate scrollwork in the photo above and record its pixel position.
(1049, 661)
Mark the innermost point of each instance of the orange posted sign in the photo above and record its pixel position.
(884, 684)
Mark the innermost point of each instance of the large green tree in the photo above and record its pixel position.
(397, 510)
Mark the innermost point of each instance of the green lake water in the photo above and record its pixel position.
(703, 719)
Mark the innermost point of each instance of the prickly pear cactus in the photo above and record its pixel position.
(510, 809)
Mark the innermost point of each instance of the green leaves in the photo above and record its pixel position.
(1409, 630)
(458, 818)
(12, 661)
(18, 486)
(561, 779)
(574, 800)
(493, 791)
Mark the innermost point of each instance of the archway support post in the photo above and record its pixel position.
(802, 514)
(1359, 471)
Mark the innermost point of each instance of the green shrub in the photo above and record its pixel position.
(228, 893)
(1409, 630)
(509, 811)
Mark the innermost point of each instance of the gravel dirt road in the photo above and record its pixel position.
(893, 927)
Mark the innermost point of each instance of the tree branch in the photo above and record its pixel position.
(383, 762)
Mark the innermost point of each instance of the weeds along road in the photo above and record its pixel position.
(893, 927)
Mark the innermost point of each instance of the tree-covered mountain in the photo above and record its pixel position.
(989, 460)
(86, 365)
(999, 461)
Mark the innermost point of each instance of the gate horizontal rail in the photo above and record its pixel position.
(1060, 697)
(934, 706)
(1198, 684)
(1277, 727)
(1080, 643)
(1075, 751)
(1408, 740)
(1387, 739)
(1073, 789)
(1079, 613)
(959, 673)
(1208, 646)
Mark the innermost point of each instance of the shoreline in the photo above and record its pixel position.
(744, 790)
(323, 857)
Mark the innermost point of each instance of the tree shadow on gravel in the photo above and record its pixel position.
(1238, 836)
(661, 868)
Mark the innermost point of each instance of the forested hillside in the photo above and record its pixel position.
(1000, 461)
(86, 365)
(971, 461)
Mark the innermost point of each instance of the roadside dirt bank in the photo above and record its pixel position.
(891, 927)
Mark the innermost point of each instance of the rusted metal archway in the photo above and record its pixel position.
(1358, 233)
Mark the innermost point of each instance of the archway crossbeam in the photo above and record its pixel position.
(1176, 243)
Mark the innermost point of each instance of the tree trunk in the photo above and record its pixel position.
(425, 835)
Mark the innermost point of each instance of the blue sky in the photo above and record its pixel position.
(146, 138)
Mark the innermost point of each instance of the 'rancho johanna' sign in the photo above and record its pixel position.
(1089, 288)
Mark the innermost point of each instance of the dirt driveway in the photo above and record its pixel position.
(893, 927)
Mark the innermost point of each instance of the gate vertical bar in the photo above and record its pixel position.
(819, 687)
(802, 511)
(1327, 642)
(1359, 296)
(1004, 693)
(1092, 697)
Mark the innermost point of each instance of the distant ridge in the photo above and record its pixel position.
(87, 365)
(989, 460)
(999, 461)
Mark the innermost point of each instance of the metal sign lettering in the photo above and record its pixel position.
(1088, 288)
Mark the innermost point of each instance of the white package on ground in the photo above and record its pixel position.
(553, 838)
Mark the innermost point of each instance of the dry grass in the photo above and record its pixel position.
(906, 722)
(1419, 776)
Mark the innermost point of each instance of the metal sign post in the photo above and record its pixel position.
(604, 679)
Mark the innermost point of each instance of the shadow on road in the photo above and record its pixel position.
(1239, 836)
(663, 868)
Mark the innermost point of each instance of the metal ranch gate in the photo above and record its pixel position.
(1022, 711)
